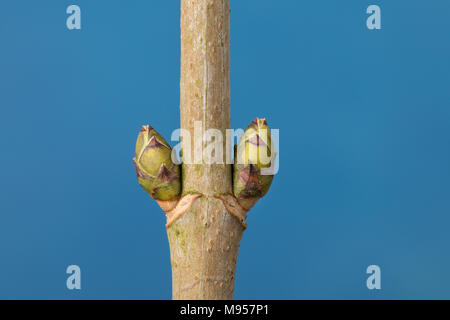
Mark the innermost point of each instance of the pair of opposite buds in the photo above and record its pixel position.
(161, 178)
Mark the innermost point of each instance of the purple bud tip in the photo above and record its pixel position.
(258, 120)
(146, 128)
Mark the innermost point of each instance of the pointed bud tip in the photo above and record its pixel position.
(260, 121)
(146, 128)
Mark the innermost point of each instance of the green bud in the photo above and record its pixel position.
(155, 171)
(253, 153)
(254, 147)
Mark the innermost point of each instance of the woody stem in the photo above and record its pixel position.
(204, 241)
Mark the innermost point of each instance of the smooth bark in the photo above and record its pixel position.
(204, 241)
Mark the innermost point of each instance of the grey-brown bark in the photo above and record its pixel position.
(204, 241)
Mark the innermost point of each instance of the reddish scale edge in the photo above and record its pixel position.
(257, 141)
(255, 121)
(165, 175)
(146, 128)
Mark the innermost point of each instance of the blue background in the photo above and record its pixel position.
(364, 119)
